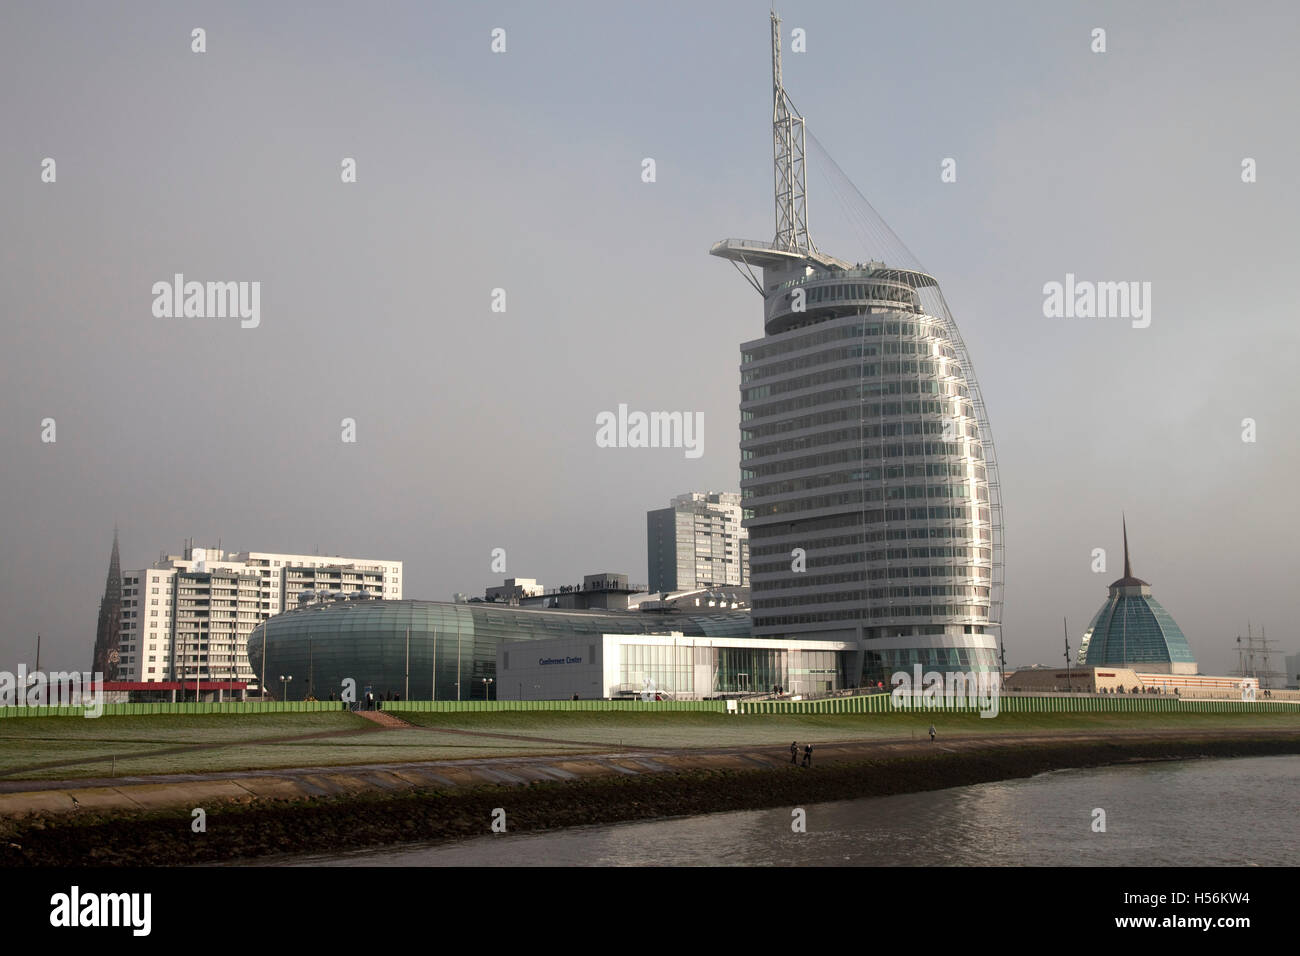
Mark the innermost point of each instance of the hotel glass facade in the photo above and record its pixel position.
(863, 469)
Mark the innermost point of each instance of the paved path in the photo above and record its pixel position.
(384, 719)
(209, 789)
(374, 720)
(184, 748)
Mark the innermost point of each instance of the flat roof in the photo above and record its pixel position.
(697, 641)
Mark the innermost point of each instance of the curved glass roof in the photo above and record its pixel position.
(451, 645)
(1134, 629)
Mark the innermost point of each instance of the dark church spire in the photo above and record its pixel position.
(107, 632)
(114, 583)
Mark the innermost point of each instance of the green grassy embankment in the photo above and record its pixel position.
(59, 748)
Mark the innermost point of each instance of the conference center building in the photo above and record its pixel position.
(424, 650)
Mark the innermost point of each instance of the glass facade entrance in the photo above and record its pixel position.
(731, 670)
(750, 670)
(759, 669)
(667, 668)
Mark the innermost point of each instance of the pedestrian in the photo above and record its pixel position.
(807, 755)
(794, 751)
(932, 733)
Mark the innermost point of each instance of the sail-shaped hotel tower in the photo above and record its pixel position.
(867, 466)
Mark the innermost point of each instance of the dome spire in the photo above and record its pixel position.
(1128, 571)
(1128, 581)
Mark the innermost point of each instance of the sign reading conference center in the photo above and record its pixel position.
(544, 661)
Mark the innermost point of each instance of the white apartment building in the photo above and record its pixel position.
(697, 542)
(189, 615)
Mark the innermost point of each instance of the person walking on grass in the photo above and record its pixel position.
(794, 751)
(932, 733)
(807, 755)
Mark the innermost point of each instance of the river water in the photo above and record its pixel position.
(1221, 812)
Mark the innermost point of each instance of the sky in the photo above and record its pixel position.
(522, 170)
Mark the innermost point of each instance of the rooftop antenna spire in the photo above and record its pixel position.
(789, 160)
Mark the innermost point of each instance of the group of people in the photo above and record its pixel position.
(807, 750)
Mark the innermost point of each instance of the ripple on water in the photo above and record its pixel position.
(1223, 812)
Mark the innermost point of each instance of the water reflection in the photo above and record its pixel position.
(1202, 812)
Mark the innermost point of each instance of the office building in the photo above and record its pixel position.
(698, 541)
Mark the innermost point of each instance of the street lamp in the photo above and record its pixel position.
(486, 681)
(284, 684)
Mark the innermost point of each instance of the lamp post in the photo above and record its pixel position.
(486, 681)
(284, 684)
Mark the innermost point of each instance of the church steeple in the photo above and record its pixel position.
(114, 583)
(107, 631)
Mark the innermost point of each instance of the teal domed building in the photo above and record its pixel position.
(1133, 630)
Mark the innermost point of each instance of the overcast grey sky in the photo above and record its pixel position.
(522, 171)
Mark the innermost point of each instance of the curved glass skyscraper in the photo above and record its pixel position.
(867, 468)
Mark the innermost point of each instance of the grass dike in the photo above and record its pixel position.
(249, 829)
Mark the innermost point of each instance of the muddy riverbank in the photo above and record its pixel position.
(251, 827)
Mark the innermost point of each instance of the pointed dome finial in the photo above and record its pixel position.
(1128, 581)
(1128, 571)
